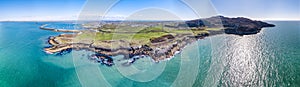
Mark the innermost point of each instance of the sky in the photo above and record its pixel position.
(48, 10)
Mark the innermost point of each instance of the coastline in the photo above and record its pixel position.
(129, 52)
(159, 48)
(58, 30)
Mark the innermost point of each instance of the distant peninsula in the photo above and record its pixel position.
(158, 40)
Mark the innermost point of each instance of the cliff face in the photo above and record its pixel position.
(158, 47)
(238, 26)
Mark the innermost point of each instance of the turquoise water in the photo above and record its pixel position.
(64, 25)
(23, 63)
(270, 58)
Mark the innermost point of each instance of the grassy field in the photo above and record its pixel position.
(138, 35)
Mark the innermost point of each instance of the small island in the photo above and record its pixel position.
(159, 40)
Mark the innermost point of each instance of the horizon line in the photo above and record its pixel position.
(122, 18)
(132, 20)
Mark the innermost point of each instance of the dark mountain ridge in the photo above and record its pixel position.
(238, 26)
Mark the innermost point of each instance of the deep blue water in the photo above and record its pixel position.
(270, 58)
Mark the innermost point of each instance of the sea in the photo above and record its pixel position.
(270, 58)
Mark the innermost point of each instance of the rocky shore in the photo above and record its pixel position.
(159, 48)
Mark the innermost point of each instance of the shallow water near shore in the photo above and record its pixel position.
(270, 58)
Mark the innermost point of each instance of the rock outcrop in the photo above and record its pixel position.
(238, 26)
(158, 48)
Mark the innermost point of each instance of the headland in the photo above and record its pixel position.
(157, 40)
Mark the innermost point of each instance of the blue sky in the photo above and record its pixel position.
(70, 9)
